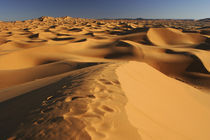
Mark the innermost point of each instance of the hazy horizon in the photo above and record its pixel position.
(114, 18)
(97, 9)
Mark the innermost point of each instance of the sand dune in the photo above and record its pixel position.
(73, 78)
(160, 112)
(170, 36)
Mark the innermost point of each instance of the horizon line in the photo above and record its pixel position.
(104, 18)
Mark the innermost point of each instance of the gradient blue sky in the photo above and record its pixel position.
(179, 9)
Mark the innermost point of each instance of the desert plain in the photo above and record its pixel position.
(81, 79)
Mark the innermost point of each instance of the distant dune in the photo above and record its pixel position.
(72, 78)
(205, 20)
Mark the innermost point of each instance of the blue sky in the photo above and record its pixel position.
(179, 9)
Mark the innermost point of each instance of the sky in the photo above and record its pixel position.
(164, 9)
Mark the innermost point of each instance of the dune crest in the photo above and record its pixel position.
(170, 36)
(181, 113)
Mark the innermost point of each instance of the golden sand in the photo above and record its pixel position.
(72, 78)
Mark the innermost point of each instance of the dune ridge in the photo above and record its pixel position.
(165, 115)
(74, 78)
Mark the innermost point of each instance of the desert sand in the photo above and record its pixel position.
(81, 79)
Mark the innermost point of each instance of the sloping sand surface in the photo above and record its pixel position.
(170, 36)
(161, 107)
(73, 78)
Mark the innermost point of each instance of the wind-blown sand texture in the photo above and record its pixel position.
(71, 78)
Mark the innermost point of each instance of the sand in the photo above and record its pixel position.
(73, 78)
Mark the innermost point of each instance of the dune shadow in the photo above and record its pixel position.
(37, 41)
(75, 30)
(205, 32)
(125, 32)
(19, 114)
(195, 66)
(81, 40)
(62, 34)
(90, 34)
(203, 46)
(34, 36)
(63, 39)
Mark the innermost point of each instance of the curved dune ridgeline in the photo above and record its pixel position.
(72, 78)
